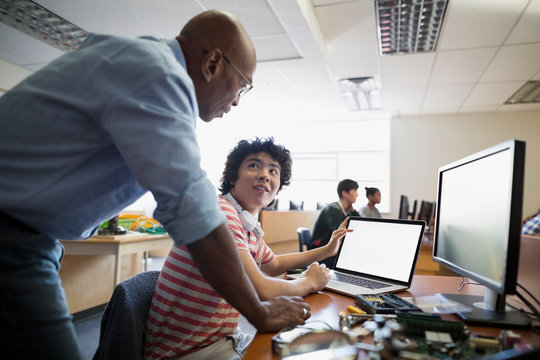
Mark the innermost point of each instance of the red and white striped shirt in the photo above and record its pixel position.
(186, 313)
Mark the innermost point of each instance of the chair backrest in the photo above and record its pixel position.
(296, 205)
(123, 324)
(273, 205)
(321, 205)
(304, 237)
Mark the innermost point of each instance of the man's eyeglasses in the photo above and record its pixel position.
(244, 89)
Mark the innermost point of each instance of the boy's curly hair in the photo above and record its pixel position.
(247, 147)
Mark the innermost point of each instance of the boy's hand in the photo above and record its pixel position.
(317, 275)
(337, 236)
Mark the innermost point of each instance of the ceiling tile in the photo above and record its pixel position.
(406, 70)
(101, 16)
(167, 19)
(354, 34)
(406, 99)
(11, 75)
(479, 23)
(528, 28)
(515, 62)
(308, 78)
(276, 47)
(354, 67)
(492, 93)
(461, 66)
(451, 96)
(23, 50)
(256, 15)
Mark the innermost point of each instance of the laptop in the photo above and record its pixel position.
(379, 256)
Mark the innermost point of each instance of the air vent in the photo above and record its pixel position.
(361, 93)
(38, 22)
(527, 94)
(409, 26)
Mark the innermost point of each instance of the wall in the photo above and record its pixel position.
(421, 144)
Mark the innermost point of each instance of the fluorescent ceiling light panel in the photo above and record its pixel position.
(360, 93)
(38, 22)
(527, 94)
(409, 26)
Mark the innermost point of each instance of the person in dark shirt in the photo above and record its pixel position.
(332, 215)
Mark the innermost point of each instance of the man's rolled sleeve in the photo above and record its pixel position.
(195, 215)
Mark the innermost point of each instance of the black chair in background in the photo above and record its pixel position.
(321, 205)
(123, 324)
(273, 206)
(426, 211)
(296, 205)
(404, 208)
(304, 237)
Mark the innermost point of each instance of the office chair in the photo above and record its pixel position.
(321, 205)
(273, 205)
(304, 237)
(296, 205)
(123, 324)
(426, 211)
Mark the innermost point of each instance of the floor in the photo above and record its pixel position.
(87, 325)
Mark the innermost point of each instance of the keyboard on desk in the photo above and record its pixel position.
(354, 280)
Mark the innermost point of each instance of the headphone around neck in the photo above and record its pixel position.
(249, 222)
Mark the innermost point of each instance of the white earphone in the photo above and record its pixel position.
(249, 222)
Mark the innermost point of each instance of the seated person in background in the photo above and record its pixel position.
(531, 225)
(374, 197)
(333, 215)
(187, 316)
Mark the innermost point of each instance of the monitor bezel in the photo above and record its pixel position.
(508, 284)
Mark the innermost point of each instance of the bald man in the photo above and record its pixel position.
(89, 134)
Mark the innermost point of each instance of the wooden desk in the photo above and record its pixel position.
(117, 247)
(425, 264)
(326, 305)
(91, 268)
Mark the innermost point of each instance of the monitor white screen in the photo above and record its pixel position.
(474, 208)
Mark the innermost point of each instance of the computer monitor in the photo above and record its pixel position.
(477, 229)
(404, 208)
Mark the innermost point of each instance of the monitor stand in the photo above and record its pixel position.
(484, 313)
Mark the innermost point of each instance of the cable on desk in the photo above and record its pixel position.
(311, 322)
(534, 313)
(528, 293)
(529, 305)
(463, 283)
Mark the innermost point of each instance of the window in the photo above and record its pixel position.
(323, 154)
(333, 151)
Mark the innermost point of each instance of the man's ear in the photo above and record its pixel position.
(211, 64)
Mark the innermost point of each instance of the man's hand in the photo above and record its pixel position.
(282, 311)
(217, 257)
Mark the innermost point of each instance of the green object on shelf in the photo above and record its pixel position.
(125, 223)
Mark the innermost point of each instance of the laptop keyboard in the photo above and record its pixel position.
(370, 284)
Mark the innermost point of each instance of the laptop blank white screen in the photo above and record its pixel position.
(382, 249)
